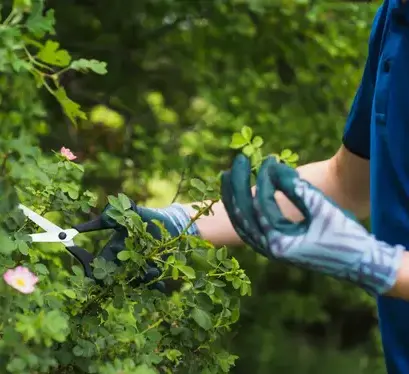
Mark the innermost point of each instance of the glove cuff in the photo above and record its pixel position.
(378, 268)
(180, 217)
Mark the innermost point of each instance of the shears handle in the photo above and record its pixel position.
(84, 257)
(96, 224)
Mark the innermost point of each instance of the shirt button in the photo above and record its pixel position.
(387, 66)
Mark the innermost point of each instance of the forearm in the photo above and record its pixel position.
(336, 244)
(401, 287)
(218, 229)
(344, 178)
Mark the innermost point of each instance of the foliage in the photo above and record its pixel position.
(74, 324)
(183, 77)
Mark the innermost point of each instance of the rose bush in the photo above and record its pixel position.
(55, 320)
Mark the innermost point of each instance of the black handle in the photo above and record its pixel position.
(84, 257)
(93, 225)
(98, 224)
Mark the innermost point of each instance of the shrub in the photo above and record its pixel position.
(68, 323)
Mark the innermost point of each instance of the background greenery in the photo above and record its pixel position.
(182, 77)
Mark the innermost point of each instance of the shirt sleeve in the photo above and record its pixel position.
(357, 131)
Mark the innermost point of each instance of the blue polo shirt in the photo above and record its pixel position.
(378, 129)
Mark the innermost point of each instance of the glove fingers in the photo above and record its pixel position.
(238, 201)
(227, 199)
(152, 273)
(269, 213)
(160, 286)
(241, 186)
(115, 245)
(282, 178)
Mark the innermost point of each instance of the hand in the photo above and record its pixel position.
(328, 239)
(174, 218)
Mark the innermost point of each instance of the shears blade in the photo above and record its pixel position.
(42, 222)
(64, 236)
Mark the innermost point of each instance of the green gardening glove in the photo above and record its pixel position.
(328, 240)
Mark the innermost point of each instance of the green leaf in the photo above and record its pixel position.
(71, 189)
(236, 282)
(244, 289)
(173, 354)
(235, 315)
(188, 271)
(7, 246)
(198, 184)
(257, 141)
(256, 158)
(21, 65)
(100, 273)
(70, 293)
(248, 150)
(78, 166)
(238, 141)
(71, 108)
(51, 54)
(170, 260)
(175, 273)
(16, 365)
(115, 203)
(293, 158)
(285, 153)
(124, 201)
(226, 361)
(79, 272)
(211, 254)
(228, 264)
(39, 24)
(78, 351)
(124, 255)
(180, 258)
(41, 269)
(247, 133)
(218, 283)
(98, 67)
(23, 247)
(221, 254)
(202, 318)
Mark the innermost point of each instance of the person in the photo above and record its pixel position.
(302, 216)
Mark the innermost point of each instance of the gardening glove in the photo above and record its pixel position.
(329, 240)
(174, 218)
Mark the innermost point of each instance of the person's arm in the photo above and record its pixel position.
(344, 178)
(400, 289)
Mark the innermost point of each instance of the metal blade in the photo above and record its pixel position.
(55, 237)
(45, 237)
(45, 224)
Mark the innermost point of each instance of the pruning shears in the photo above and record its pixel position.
(55, 234)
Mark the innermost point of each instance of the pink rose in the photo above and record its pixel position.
(21, 278)
(66, 152)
